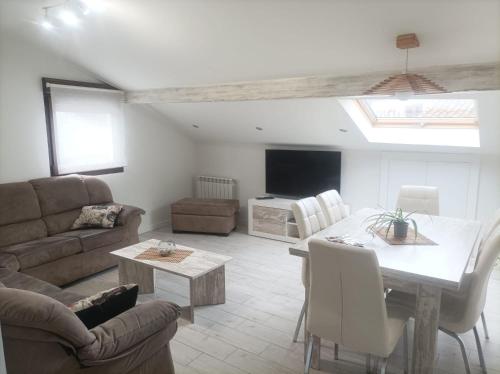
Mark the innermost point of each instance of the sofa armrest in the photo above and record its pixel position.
(127, 213)
(120, 334)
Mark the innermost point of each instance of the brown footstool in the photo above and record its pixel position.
(205, 215)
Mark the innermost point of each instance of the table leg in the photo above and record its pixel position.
(135, 272)
(208, 289)
(426, 329)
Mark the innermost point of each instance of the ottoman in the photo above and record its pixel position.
(216, 216)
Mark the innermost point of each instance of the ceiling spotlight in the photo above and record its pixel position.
(68, 17)
(343, 130)
(93, 6)
(46, 24)
(196, 126)
(258, 128)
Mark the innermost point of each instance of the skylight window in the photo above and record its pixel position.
(437, 113)
(434, 120)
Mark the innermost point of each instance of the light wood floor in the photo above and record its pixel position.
(252, 332)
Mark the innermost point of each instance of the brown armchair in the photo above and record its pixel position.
(42, 335)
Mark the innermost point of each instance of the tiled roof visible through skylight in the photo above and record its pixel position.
(425, 121)
(420, 112)
(393, 108)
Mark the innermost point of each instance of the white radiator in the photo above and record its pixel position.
(215, 188)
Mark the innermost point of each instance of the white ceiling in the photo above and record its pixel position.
(158, 43)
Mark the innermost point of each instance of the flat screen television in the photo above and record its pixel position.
(301, 173)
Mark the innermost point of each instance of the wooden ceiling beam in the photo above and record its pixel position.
(453, 78)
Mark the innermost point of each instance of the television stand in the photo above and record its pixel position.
(272, 219)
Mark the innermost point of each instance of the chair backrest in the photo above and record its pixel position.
(490, 228)
(332, 205)
(346, 296)
(309, 216)
(419, 199)
(477, 281)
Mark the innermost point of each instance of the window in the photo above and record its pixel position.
(84, 127)
(432, 120)
(436, 113)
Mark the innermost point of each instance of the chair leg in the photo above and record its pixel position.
(336, 352)
(376, 362)
(368, 364)
(479, 350)
(485, 326)
(383, 366)
(308, 355)
(462, 348)
(406, 350)
(299, 322)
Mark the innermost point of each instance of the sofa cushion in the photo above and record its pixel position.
(14, 279)
(9, 261)
(206, 207)
(61, 222)
(96, 238)
(31, 310)
(45, 250)
(99, 192)
(18, 203)
(22, 232)
(60, 194)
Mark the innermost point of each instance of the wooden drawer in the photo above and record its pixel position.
(270, 220)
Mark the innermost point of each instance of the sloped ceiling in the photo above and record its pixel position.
(159, 43)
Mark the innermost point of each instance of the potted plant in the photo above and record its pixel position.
(387, 219)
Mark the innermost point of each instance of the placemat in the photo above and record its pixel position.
(409, 240)
(152, 254)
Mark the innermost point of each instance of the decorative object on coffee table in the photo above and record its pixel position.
(397, 220)
(166, 248)
(205, 271)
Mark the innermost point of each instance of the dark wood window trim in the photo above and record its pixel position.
(49, 119)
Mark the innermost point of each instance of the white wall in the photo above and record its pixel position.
(360, 180)
(161, 159)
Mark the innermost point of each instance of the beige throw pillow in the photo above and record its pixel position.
(97, 216)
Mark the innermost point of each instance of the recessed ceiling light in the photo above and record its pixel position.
(196, 126)
(343, 130)
(258, 128)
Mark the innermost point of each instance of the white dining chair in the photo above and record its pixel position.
(310, 219)
(461, 310)
(347, 305)
(333, 207)
(419, 199)
(487, 232)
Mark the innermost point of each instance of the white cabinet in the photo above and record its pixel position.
(456, 176)
(272, 219)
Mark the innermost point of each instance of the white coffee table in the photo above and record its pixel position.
(205, 271)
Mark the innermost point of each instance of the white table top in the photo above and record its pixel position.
(196, 264)
(441, 265)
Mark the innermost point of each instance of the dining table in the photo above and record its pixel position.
(425, 270)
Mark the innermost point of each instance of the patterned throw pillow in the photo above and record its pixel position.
(97, 216)
(103, 306)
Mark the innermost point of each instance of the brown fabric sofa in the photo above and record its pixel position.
(35, 221)
(41, 335)
(215, 216)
